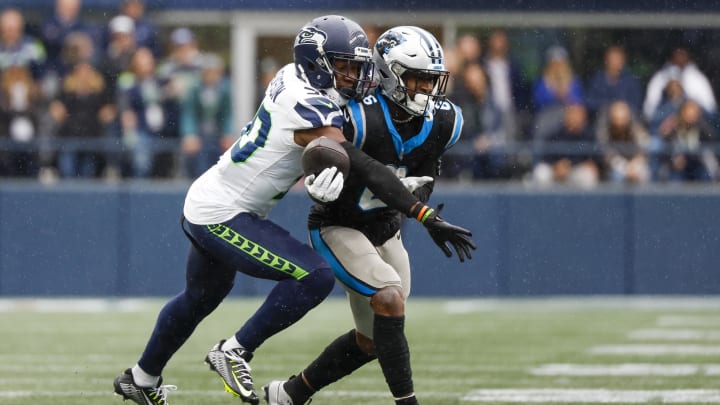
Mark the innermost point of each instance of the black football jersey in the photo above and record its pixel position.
(408, 149)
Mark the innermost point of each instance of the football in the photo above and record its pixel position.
(323, 152)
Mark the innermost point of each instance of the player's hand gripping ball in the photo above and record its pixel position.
(325, 164)
(322, 153)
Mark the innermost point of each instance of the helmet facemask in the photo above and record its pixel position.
(410, 94)
(352, 75)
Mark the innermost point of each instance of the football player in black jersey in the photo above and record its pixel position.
(405, 124)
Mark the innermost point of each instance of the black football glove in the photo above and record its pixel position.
(443, 233)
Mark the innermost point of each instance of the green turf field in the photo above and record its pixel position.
(562, 350)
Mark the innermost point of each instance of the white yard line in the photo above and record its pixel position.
(656, 350)
(575, 303)
(712, 369)
(87, 305)
(674, 334)
(689, 320)
(577, 396)
(627, 369)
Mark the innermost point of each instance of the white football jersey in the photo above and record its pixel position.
(265, 162)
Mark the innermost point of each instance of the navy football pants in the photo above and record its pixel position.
(253, 246)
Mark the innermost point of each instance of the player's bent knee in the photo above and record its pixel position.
(388, 301)
(321, 281)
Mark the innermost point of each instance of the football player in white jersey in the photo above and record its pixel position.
(406, 124)
(226, 208)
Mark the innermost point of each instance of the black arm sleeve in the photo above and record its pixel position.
(381, 181)
(428, 168)
(423, 193)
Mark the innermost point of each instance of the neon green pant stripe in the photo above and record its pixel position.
(257, 252)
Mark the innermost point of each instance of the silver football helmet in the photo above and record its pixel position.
(408, 50)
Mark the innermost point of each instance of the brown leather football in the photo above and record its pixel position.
(323, 152)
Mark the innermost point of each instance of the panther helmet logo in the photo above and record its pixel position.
(389, 41)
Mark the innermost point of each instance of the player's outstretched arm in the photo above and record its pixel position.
(384, 184)
(387, 187)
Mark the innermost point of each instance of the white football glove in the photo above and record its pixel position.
(413, 183)
(326, 186)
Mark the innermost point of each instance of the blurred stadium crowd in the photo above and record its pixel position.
(115, 99)
(612, 127)
(108, 100)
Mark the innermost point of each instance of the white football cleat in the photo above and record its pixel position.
(275, 394)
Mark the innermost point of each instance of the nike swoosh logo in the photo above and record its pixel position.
(243, 391)
(328, 105)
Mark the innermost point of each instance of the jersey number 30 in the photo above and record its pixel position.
(253, 137)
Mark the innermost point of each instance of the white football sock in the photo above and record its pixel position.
(230, 344)
(144, 379)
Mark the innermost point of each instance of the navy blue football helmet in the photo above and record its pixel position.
(334, 45)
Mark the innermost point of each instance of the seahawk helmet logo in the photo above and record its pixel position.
(310, 35)
(358, 39)
(388, 41)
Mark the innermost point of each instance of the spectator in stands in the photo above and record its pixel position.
(142, 117)
(661, 123)
(467, 50)
(57, 27)
(18, 49)
(614, 82)
(663, 117)
(19, 113)
(146, 33)
(694, 82)
(623, 141)
(80, 112)
(481, 149)
(119, 51)
(691, 158)
(178, 73)
(569, 159)
(510, 91)
(181, 68)
(557, 88)
(79, 47)
(114, 61)
(207, 118)
(558, 85)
